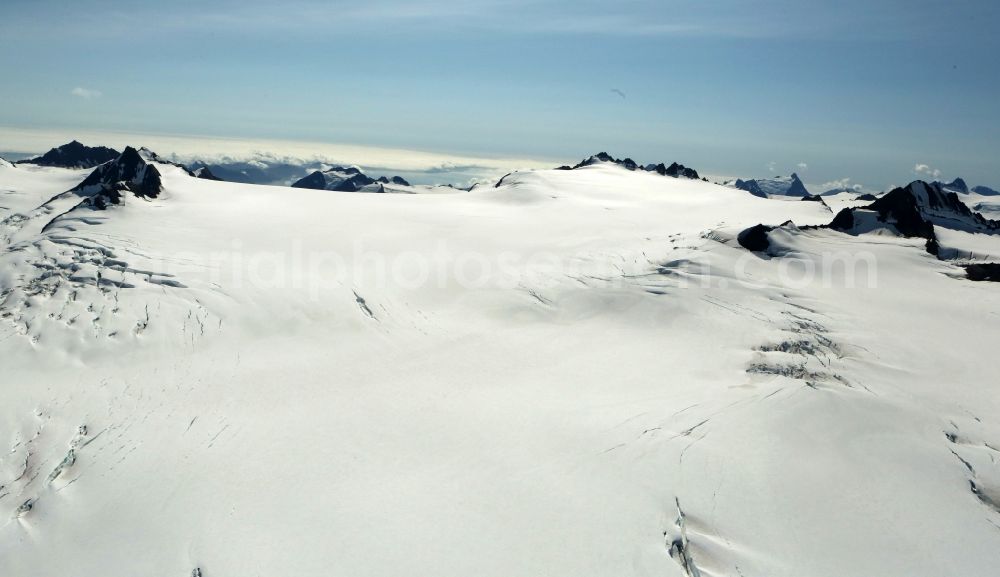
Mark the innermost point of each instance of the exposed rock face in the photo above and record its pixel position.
(779, 186)
(675, 170)
(596, 159)
(349, 179)
(398, 180)
(912, 211)
(985, 191)
(205, 173)
(750, 186)
(957, 185)
(983, 272)
(867, 197)
(755, 238)
(129, 172)
(75, 155)
(814, 198)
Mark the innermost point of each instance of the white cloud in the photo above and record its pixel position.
(771, 166)
(86, 93)
(841, 184)
(925, 170)
(802, 166)
(214, 149)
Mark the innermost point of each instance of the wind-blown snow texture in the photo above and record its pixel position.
(637, 395)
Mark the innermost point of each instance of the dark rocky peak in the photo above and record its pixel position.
(750, 186)
(898, 208)
(75, 155)
(679, 170)
(797, 188)
(675, 170)
(778, 186)
(129, 172)
(604, 157)
(314, 180)
(205, 173)
(943, 207)
(985, 191)
(397, 180)
(913, 211)
(957, 185)
(349, 179)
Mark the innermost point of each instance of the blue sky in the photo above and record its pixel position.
(853, 89)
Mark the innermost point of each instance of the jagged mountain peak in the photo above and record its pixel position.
(778, 186)
(347, 179)
(675, 169)
(205, 173)
(985, 191)
(914, 211)
(74, 154)
(132, 171)
(957, 185)
(911, 211)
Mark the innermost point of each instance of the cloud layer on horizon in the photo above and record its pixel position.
(227, 150)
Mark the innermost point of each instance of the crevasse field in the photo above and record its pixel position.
(572, 373)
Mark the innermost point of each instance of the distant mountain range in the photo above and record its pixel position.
(347, 179)
(352, 179)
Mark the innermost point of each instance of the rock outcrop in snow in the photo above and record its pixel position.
(131, 172)
(912, 211)
(205, 173)
(675, 170)
(909, 209)
(75, 155)
(347, 179)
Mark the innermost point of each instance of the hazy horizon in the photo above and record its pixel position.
(833, 90)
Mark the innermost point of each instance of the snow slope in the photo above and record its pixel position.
(230, 379)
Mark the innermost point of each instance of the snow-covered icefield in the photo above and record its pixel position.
(572, 373)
